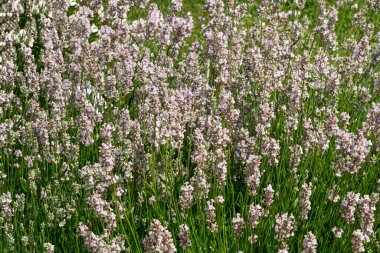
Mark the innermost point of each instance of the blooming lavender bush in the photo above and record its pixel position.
(189, 126)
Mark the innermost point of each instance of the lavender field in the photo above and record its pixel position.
(169, 126)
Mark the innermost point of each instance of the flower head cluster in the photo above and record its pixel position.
(309, 243)
(305, 200)
(158, 239)
(238, 225)
(285, 227)
(184, 236)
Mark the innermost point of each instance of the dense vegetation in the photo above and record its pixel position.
(194, 126)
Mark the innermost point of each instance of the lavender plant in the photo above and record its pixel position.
(189, 126)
